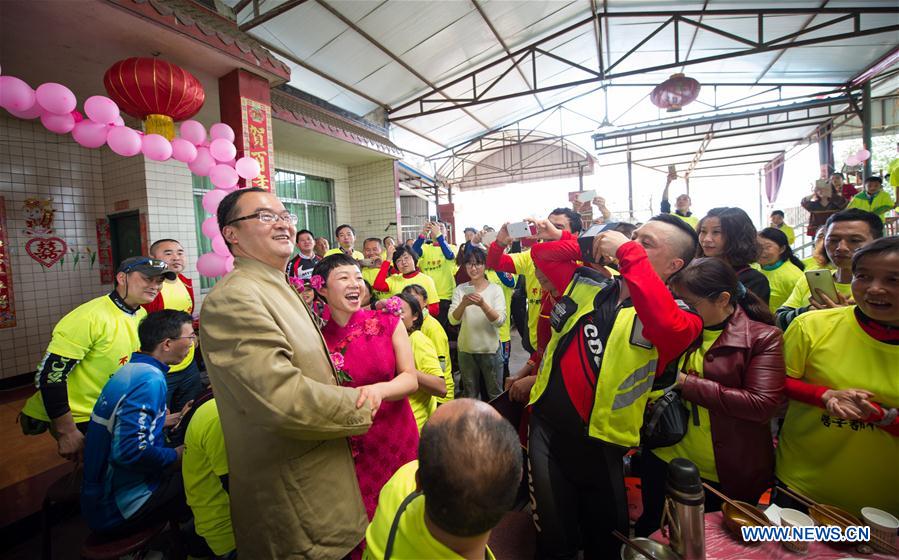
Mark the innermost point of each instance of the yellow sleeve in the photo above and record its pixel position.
(425, 353)
(431, 288)
(796, 348)
(214, 445)
(73, 336)
(524, 264)
(799, 296)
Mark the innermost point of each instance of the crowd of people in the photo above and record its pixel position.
(332, 403)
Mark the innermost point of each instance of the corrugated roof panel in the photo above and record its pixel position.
(455, 49)
(349, 58)
(318, 29)
(389, 83)
(401, 26)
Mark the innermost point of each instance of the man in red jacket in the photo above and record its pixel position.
(183, 382)
(609, 338)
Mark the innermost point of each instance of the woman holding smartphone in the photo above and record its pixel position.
(480, 307)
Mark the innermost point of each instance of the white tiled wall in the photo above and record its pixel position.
(35, 163)
(88, 184)
(375, 201)
(84, 185)
(170, 210)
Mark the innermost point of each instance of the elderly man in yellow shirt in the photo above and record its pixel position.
(445, 504)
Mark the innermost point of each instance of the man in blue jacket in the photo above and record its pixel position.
(131, 479)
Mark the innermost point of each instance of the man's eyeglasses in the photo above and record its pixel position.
(268, 218)
(192, 337)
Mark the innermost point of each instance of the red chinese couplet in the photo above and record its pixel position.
(104, 251)
(256, 119)
(7, 309)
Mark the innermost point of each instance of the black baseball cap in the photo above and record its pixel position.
(147, 266)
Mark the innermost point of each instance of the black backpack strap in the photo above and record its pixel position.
(391, 537)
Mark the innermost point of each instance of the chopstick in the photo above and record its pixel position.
(741, 509)
(809, 503)
(639, 549)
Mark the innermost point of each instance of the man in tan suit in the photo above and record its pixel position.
(285, 419)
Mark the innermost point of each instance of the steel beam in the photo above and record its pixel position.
(346, 21)
(266, 16)
(754, 45)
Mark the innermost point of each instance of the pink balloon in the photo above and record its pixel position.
(32, 112)
(219, 247)
(193, 131)
(101, 109)
(15, 95)
(223, 176)
(221, 131)
(156, 147)
(56, 98)
(229, 263)
(79, 117)
(247, 167)
(183, 150)
(202, 164)
(852, 161)
(60, 124)
(862, 154)
(212, 198)
(211, 265)
(210, 227)
(124, 141)
(89, 134)
(222, 150)
(118, 121)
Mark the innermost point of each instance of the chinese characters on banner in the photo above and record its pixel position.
(7, 310)
(104, 251)
(257, 132)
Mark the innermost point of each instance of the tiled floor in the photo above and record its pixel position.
(28, 464)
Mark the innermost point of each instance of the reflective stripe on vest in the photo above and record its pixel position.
(626, 374)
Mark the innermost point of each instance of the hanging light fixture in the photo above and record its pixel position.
(675, 92)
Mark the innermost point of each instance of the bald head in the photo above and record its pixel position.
(469, 467)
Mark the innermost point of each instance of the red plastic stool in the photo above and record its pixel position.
(98, 547)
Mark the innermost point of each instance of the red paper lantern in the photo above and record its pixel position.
(675, 92)
(155, 91)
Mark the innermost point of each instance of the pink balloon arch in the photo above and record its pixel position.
(102, 124)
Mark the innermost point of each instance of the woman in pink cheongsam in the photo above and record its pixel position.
(370, 350)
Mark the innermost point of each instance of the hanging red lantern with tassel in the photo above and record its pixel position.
(675, 92)
(155, 91)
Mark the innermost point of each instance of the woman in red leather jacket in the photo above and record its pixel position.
(732, 383)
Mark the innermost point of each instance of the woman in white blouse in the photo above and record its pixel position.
(480, 307)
